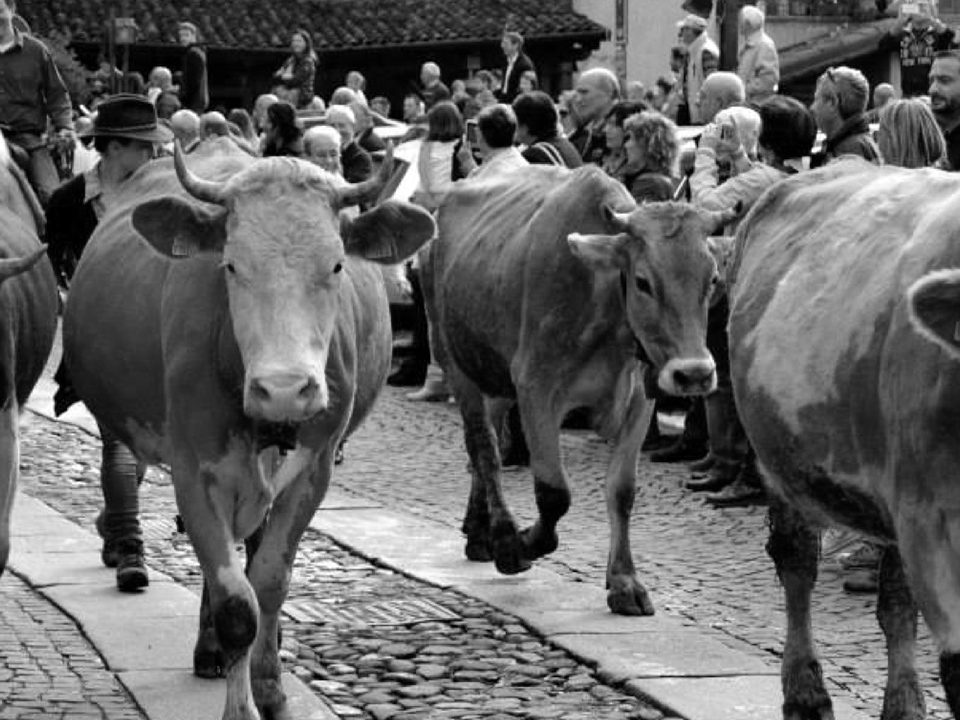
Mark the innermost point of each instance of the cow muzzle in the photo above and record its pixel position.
(285, 397)
(688, 377)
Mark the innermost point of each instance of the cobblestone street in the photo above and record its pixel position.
(705, 566)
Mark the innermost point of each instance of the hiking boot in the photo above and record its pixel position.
(865, 557)
(131, 570)
(680, 451)
(108, 553)
(704, 464)
(861, 581)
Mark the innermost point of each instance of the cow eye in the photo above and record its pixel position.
(229, 267)
(337, 268)
(643, 285)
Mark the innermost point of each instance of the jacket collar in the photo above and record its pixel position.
(853, 125)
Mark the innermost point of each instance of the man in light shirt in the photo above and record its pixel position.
(496, 129)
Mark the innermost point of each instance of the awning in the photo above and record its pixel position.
(814, 56)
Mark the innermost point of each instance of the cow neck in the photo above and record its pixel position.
(640, 352)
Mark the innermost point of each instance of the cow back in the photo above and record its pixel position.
(503, 273)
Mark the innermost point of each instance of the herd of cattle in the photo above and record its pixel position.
(226, 310)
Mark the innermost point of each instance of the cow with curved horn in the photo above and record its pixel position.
(28, 322)
(251, 319)
(554, 288)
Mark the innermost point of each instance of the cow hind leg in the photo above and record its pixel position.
(794, 548)
(625, 594)
(897, 614)
(208, 659)
(488, 524)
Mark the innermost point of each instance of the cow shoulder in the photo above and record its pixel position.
(388, 234)
(178, 228)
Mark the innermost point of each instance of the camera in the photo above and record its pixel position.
(472, 134)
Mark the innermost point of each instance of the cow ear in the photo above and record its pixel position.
(600, 252)
(177, 228)
(934, 307)
(388, 234)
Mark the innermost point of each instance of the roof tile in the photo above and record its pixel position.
(334, 24)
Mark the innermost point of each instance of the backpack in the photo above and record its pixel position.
(553, 155)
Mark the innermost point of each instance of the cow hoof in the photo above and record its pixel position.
(270, 699)
(793, 712)
(478, 551)
(208, 659)
(538, 543)
(629, 598)
(509, 557)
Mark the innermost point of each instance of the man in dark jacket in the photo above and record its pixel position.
(125, 133)
(517, 64)
(193, 81)
(945, 100)
(840, 106)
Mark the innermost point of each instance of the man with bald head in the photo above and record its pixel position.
(186, 128)
(719, 91)
(597, 89)
(432, 88)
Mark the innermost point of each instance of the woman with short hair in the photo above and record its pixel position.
(652, 148)
(909, 135)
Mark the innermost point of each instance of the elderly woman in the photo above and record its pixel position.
(653, 148)
(321, 146)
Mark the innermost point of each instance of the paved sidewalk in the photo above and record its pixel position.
(682, 668)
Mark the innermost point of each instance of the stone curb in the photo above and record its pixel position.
(146, 640)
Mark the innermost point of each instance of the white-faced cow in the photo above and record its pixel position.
(554, 288)
(28, 322)
(202, 332)
(854, 416)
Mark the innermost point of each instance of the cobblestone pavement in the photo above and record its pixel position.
(440, 655)
(48, 671)
(704, 565)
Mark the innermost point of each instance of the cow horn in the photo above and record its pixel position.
(714, 220)
(206, 190)
(356, 193)
(620, 221)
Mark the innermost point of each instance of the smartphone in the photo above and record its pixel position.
(726, 131)
(472, 132)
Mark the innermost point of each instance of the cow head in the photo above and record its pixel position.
(283, 253)
(667, 273)
(934, 307)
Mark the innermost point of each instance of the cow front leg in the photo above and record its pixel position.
(489, 526)
(794, 548)
(269, 570)
(897, 614)
(232, 604)
(625, 594)
(9, 472)
(541, 425)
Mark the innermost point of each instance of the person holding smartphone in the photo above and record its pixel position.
(496, 133)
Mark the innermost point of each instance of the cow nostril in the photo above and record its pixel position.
(259, 391)
(309, 389)
(689, 377)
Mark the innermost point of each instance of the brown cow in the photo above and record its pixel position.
(203, 332)
(553, 287)
(854, 416)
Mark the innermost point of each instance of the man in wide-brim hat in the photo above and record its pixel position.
(126, 134)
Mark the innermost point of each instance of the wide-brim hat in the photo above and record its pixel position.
(128, 116)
